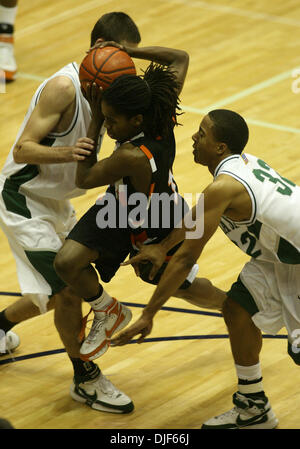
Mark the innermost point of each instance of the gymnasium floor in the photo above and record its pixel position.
(243, 56)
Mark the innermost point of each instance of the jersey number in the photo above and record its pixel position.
(248, 238)
(261, 175)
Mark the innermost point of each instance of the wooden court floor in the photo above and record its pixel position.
(243, 56)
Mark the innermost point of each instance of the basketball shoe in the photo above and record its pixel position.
(7, 58)
(248, 413)
(100, 394)
(9, 343)
(106, 322)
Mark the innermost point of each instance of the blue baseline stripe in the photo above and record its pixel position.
(132, 304)
(147, 340)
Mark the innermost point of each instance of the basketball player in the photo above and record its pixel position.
(8, 12)
(140, 114)
(37, 182)
(258, 210)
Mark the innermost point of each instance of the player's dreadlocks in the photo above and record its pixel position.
(154, 95)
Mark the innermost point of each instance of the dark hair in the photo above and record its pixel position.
(5, 424)
(115, 26)
(230, 128)
(153, 94)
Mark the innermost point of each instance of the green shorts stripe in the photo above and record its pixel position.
(43, 262)
(243, 297)
(14, 200)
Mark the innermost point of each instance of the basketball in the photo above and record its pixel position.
(104, 65)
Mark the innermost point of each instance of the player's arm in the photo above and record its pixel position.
(176, 60)
(58, 94)
(125, 161)
(156, 253)
(217, 198)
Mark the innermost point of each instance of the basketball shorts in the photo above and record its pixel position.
(36, 229)
(113, 246)
(270, 292)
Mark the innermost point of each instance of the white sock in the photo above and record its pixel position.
(8, 15)
(250, 378)
(102, 302)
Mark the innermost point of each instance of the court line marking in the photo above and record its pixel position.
(238, 12)
(57, 18)
(133, 304)
(251, 121)
(253, 89)
(147, 340)
(244, 93)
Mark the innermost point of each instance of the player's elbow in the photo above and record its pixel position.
(83, 182)
(18, 153)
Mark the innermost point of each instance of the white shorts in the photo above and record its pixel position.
(275, 290)
(35, 240)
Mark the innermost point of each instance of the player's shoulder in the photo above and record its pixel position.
(131, 155)
(224, 185)
(59, 92)
(62, 85)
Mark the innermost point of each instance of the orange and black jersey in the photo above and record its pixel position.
(157, 214)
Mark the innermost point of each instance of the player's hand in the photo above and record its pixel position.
(93, 94)
(82, 149)
(148, 253)
(100, 43)
(142, 326)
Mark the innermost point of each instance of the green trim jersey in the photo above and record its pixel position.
(56, 181)
(36, 214)
(273, 233)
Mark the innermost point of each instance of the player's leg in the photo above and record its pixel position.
(21, 310)
(89, 385)
(8, 11)
(251, 406)
(107, 248)
(73, 264)
(202, 293)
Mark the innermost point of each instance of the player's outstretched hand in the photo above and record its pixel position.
(100, 43)
(142, 326)
(148, 253)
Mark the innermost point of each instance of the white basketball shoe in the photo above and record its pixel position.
(106, 322)
(9, 342)
(248, 413)
(7, 58)
(100, 394)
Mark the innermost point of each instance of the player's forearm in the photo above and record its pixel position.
(175, 237)
(95, 128)
(33, 153)
(161, 55)
(174, 276)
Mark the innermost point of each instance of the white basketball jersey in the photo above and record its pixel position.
(273, 231)
(56, 181)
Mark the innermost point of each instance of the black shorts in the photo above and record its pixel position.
(145, 268)
(113, 246)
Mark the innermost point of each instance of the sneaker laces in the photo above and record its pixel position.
(97, 323)
(245, 404)
(107, 387)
